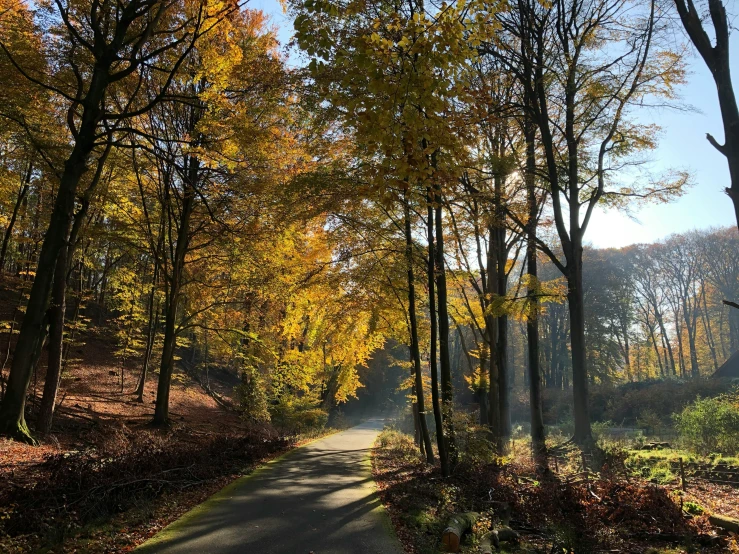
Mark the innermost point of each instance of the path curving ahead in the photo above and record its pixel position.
(319, 498)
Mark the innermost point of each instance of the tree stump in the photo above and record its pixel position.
(457, 526)
(489, 542)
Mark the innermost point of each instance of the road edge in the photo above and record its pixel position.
(167, 532)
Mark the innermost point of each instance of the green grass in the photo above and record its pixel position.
(674, 455)
(665, 454)
(661, 466)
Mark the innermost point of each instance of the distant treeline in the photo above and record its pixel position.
(652, 311)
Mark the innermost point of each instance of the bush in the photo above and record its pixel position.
(298, 416)
(694, 508)
(711, 424)
(627, 403)
(394, 439)
(649, 421)
(600, 428)
(646, 404)
(252, 397)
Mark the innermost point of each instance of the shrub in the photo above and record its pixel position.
(401, 444)
(252, 397)
(694, 508)
(648, 404)
(600, 428)
(628, 402)
(649, 421)
(711, 424)
(298, 416)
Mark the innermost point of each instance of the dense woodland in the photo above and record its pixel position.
(406, 174)
(653, 311)
(388, 215)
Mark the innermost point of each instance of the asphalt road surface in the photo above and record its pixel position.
(319, 498)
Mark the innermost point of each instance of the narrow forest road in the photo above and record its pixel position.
(319, 498)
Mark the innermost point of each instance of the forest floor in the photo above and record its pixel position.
(104, 480)
(607, 513)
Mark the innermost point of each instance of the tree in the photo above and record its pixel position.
(58, 306)
(391, 71)
(203, 158)
(650, 286)
(104, 47)
(680, 261)
(433, 367)
(720, 253)
(591, 61)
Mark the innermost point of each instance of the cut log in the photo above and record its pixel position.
(457, 526)
(492, 540)
(655, 446)
(488, 542)
(728, 523)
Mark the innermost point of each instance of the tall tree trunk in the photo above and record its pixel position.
(433, 368)
(57, 310)
(511, 363)
(690, 325)
(153, 304)
(663, 333)
(56, 344)
(33, 328)
(447, 393)
(173, 292)
(721, 335)
(25, 186)
(151, 325)
(707, 327)
(161, 412)
(656, 350)
(414, 346)
(491, 337)
(538, 437)
(576, 304)
(499, 287)
(504, 403)
(627, 348)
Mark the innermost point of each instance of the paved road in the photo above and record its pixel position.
(319, 498)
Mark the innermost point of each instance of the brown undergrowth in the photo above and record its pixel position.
(105, 500)
(104, 480)
(605, 515)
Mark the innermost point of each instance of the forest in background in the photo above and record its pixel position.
(653, 311)
(211, 206)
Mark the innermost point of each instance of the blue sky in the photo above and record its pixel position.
(682, 146)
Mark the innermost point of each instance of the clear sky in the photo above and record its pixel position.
(682, 146)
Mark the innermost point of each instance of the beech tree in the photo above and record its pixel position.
(392, 72)
(582, 95)
(106, 46)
